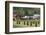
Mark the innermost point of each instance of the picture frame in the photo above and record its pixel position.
(12, 7)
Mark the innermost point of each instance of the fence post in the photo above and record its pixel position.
(36, 24)
(27, 23)
(30, 23)
(19, 22)
(24, 22)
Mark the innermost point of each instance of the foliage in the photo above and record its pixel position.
(26, 11)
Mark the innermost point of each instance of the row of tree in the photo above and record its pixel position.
(26, 11)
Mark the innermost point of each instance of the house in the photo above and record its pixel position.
(36, 16)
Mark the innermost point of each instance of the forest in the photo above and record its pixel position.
(26, 11)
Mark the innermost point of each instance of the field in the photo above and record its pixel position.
(26, 23)
(26, 17)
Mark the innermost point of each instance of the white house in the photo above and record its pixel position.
(36, 16)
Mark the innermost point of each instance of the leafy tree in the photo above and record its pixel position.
(21, 11)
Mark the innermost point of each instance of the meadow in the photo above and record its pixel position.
(26, 23)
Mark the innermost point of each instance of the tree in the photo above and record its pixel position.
(26, 11)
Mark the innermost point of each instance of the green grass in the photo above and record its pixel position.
(26, 23)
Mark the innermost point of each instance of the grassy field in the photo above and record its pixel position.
(26, 23)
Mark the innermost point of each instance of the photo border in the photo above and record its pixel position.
(7, 17)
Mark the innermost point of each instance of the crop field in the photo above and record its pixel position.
(26, 23)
